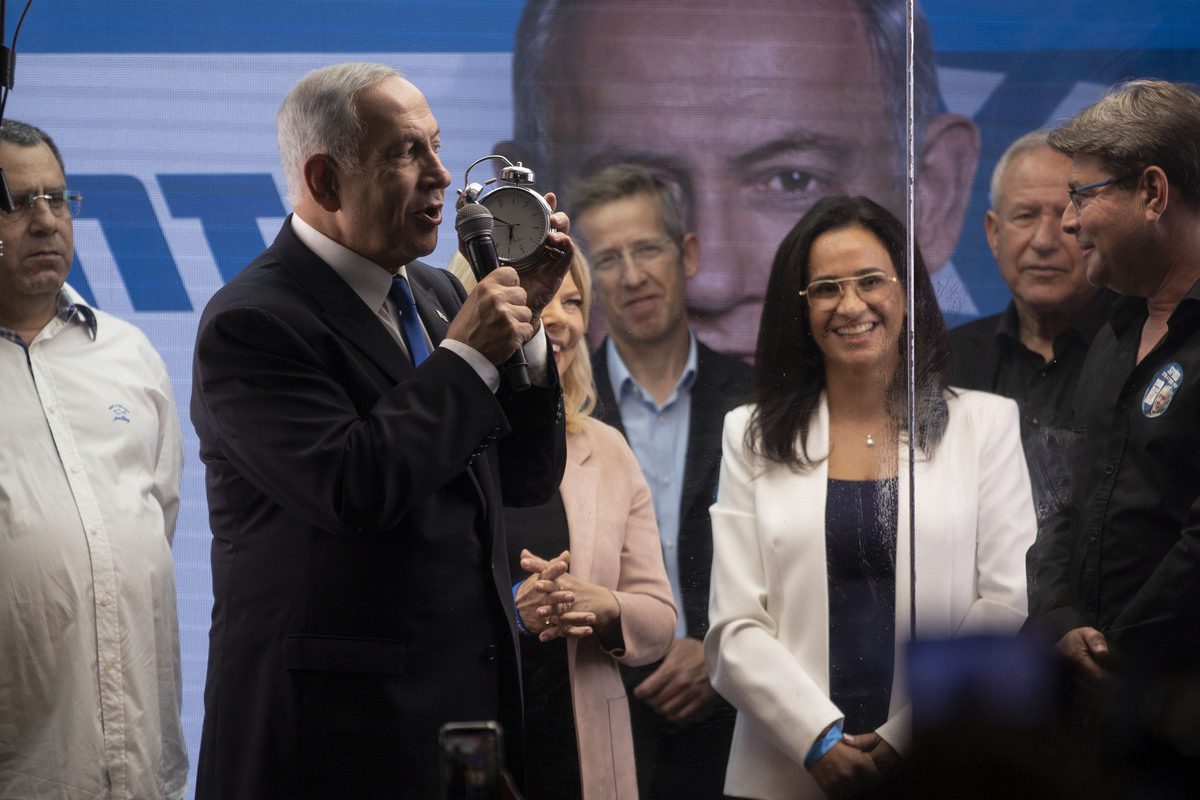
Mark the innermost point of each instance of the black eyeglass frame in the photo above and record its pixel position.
(1075, 195)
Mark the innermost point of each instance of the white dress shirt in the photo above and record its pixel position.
(90, 460)
(371, 282)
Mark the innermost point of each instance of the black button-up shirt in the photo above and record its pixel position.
(989, 355)
(1125, 558)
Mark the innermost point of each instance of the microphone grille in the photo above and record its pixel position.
(473, 220)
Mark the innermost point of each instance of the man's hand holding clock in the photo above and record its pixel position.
(542, 277)
(528, 234)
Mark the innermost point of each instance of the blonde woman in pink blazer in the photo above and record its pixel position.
(578, 742)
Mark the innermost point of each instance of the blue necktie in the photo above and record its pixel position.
(410, 323)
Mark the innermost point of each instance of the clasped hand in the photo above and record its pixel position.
(853, 764)
(554, 603)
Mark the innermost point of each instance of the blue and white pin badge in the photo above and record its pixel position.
(120, 413)
(1162, 390)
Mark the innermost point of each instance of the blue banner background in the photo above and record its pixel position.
(165, 111)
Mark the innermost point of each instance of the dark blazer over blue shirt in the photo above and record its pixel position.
(673, 761)
(361, 592)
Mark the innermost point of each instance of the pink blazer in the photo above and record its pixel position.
(614, 543)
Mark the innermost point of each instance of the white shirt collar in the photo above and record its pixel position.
(369, 281)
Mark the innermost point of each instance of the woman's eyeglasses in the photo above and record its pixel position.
(826, 293)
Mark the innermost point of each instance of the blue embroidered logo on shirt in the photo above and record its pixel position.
(120, 412)
(1162, 390)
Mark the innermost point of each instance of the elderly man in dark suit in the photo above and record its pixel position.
(358, 453)
(668, 394)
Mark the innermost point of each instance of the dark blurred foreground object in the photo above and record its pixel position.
(472, 762)
(997, 717)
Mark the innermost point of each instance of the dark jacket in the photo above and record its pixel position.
(361, 592)
(722, 384)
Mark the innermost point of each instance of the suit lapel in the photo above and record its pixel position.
(341, 308)
(607, 410)
(436, 320)
(433, 316)
(369, 336)
(704, 431)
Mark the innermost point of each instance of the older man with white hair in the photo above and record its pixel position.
(358, 451)
(1034, 350)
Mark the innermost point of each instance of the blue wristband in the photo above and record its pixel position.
(520, 623)
(824, 744)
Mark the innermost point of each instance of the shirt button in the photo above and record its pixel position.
(104, 601)
(73, 469)
(52, 409)
(1109, 470)
(108, 666)
(489, 652)
(95, 530)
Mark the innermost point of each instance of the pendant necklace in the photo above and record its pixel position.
(870, 440)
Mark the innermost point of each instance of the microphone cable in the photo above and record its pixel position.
(8, 65)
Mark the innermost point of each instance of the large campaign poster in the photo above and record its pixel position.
(165, 113)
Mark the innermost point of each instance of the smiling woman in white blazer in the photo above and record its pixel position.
(829, 363)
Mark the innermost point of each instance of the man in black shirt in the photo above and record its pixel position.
(1034, 350)
(1120, 570)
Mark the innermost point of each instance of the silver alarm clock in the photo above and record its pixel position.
(522, 216)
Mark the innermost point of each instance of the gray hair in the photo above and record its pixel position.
(1030, 141)
(543, 20)
(627, 180)
(320, 115)
(1139, 124)
(23, 134)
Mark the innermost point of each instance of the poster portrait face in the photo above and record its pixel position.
(750, 114)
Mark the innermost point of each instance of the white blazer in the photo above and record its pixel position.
(767, 647)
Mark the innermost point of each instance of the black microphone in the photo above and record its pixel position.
(474, 225)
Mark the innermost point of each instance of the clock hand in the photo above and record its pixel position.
(502, 222)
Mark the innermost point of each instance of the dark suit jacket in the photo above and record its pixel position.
(361, 594)
(673, 761)
(722, 384)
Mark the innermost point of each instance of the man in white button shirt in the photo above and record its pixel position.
(90, 460)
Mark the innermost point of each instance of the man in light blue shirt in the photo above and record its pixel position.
(668, 393)
(657, 432)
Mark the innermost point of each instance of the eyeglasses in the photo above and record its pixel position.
(642, 253)
(62, 203)
(826, 293)
(1077, 194)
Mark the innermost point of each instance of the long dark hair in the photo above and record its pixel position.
(789, 373)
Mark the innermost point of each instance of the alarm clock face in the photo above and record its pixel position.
(522, 220)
